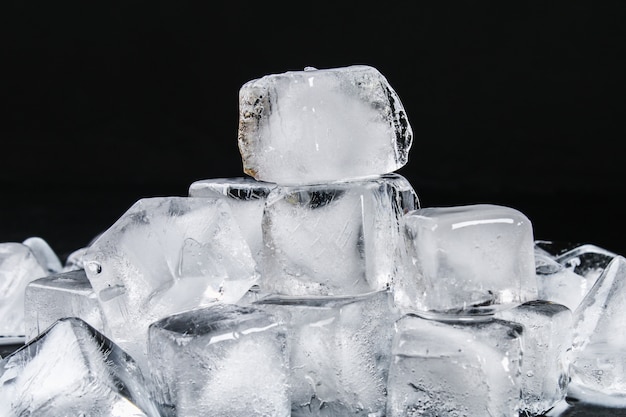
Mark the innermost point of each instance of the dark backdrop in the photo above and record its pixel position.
(519, 105)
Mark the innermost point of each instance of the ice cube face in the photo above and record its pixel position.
(222, 360)
(547, 340)
(598, 368)
(246, 198)
(466, 260)
(72, 370)
(57, 296)
(461, 369)
(166, 255)
(18, 267)
(334, 239)
(44, 254)
(318, 126)
(339, 352)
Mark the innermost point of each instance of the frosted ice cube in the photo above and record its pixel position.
(339, 352)
(18, 267)
(464, 260)
(559, 284)
(316, 126)
(57, 296)
(222, 360)
(166, 255)
(598, 370)
(246, 198)
(547, 340)
(72, 370)
(44, 254)
(461, 369)
(334, 239)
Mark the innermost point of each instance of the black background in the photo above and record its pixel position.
(519, 104)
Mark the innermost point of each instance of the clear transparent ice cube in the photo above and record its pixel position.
(461, 369)
(466, 260)
(334, 239)
(222, 360)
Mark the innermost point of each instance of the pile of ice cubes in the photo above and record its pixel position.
(317, 286)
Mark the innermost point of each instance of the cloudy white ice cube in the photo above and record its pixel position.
(317, 126)
(72, 370)
(222, 360)
(334, 239)
(166, 255)
(473, 259)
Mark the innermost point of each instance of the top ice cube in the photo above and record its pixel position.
(317, 126)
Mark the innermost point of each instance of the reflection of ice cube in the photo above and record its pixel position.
(57, 296)
(72, 370)
(463, 369)
(18, 267)
(547, 341)
(334, 239)
(339, 352)
(317, 126)
(467, 260)
(598, 355)
(246, 198)
(219, 361)
(163, 256)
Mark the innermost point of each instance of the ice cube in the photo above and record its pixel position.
(598, 370)
(44, 254)
(222, 360)
(586, 260)
(75, 260)
(547, 340)
(57, 296)
(465, 260)
(18, 267)
(246, 198)
(72, 370)
(461, 369)
(317, 126)
(334, 239)
(339, 352)
(166, 255)
(559, 284)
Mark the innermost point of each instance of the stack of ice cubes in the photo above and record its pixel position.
(314, 286)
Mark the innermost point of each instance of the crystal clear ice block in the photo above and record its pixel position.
(339, 352)
(246, 198)
(334, 239)
(586, 260)
(317, 126)
(167, 255)
(219, 361)
(72, 370)
(547, 340)
(467, 260)
(460, 369)
(598, 370)
(18, 267)
(57, 296)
